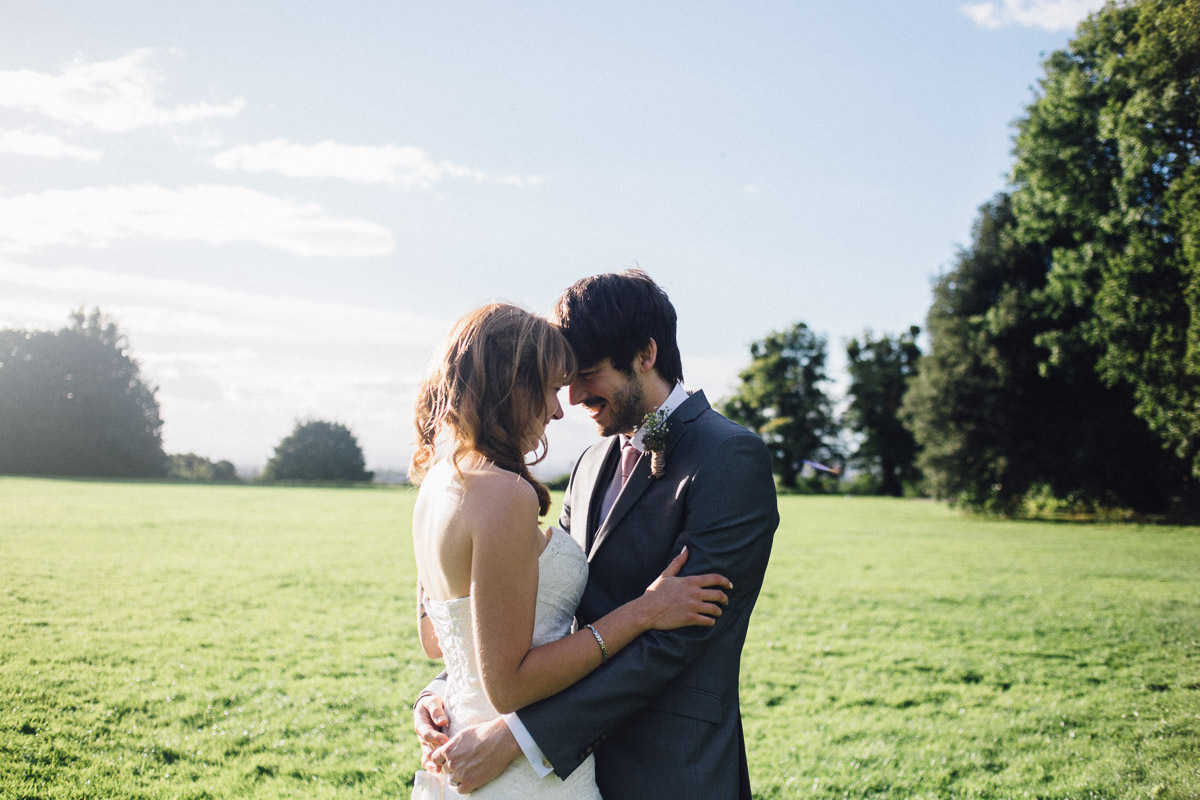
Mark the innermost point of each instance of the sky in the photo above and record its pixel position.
(286, 205)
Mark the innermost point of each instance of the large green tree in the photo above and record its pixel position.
(992, 421)
(880, 369)
(73, 402)
(317, 450)
(782, 397)
(1107, 177)
(971, 405)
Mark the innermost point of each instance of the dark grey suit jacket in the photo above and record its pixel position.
(662, 716)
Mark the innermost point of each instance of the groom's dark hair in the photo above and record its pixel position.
(615, 316)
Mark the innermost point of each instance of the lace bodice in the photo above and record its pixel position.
(562, 573)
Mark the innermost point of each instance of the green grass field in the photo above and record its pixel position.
(179, 641)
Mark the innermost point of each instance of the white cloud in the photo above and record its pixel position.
(95, 217)
(1049, 15)
(116, 95)
(26, 143)
(205, 312)
(407, 167)
(236, 368)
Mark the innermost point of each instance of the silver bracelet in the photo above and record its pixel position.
(599, 641)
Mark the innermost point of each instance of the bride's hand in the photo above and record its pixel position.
(674, 602)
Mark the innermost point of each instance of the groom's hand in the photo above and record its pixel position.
(476, 755)
(430, 721)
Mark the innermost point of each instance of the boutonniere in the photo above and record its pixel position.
(654, 437)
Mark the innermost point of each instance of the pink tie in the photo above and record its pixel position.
(629, 459)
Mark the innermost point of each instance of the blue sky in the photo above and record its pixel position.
(285, 204)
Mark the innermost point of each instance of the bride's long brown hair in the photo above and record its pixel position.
(487, 387)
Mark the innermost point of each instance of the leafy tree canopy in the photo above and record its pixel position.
(992, 423)
(880, 369)
(318, 451)
(1108, 178)
(191, 467)
(783, 399)
(1065, 342)
(73, 402)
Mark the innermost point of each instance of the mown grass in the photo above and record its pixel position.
(901, 650)
(176, 641)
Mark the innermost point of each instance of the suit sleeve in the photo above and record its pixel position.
(731, 516)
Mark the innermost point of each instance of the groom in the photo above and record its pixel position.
(662, 717)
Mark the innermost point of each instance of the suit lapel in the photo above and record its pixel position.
(594, 483)
(640, 480)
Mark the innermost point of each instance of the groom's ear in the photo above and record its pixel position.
(646, 357)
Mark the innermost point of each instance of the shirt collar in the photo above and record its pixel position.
(674, 400)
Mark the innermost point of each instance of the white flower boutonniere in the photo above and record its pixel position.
(654, 437)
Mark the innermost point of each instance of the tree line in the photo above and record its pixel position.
(1063, 342)
(73, 402)
(783, 396)
(1063, 362)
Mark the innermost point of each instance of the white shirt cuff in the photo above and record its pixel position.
(436, 686)
(537, 759)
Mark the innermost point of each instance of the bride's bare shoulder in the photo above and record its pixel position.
(497, 490)
(483, 491)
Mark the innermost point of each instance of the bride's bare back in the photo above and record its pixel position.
(454, 507)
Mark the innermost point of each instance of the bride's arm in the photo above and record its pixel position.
(504, 576)
(425, 631)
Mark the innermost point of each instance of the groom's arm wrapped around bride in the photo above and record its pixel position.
(669, 701)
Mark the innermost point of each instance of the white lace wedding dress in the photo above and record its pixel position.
(562, 572)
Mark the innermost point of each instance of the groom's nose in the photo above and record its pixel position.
(576, 392)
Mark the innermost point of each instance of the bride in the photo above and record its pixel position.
(496, 595)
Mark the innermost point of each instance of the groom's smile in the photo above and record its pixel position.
(595, 406)
(614, 400)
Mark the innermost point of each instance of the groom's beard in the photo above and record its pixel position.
(626, 408)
